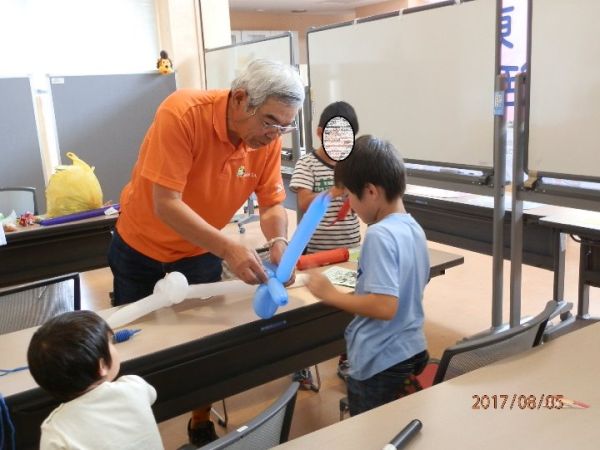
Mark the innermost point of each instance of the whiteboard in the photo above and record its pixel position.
(564, 111)
(224, 64)
(424, 81)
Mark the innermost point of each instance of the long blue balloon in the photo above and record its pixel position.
(269, 296)
(306, 228)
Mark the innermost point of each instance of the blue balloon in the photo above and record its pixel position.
(269, 296)
(306, 228)
(277, 292)
(264, 307)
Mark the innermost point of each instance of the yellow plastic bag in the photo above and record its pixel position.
(73, 189)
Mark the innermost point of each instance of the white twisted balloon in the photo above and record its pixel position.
(174, 289)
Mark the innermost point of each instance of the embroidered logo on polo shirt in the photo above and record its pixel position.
(241, 173)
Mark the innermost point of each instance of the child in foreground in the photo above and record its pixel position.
(385, 341)
(72, 357)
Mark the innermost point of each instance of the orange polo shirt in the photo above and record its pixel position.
(187, 149)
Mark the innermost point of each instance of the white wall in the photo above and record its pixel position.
(180, 34)
(216, 27)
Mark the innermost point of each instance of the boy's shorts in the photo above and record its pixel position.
(387, 386)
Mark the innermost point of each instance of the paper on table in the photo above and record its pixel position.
(2, 236)
(488, 202)
(341, 277)
(426, 191)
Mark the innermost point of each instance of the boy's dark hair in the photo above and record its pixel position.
(372, 161)
(64, 353)
(337, 109)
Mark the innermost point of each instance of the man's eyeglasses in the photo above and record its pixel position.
(280, 129)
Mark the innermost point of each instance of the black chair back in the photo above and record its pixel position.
(267, 430)
(470, 355)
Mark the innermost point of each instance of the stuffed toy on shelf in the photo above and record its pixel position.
(164, 64)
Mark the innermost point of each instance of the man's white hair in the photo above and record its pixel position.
(263, 78)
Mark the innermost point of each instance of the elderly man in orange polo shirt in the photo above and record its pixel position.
(205, 153)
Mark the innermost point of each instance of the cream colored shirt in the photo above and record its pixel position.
(114, 415)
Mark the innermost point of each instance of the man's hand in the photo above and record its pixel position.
(275, 254)
(245, 264)
(320, 286)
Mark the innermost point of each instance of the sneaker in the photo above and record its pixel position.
(201, 434)
(342, 369)
(304, 377)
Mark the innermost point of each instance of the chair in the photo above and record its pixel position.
(247, 217)
(473, 354)
(19, 199)
(31, 304)
(268, 429)
(481, 351)
(223, 417)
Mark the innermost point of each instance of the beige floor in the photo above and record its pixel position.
(457, 304)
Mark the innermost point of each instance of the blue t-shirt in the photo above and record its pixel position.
(394, 260)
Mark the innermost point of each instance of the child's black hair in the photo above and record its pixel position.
(64, 353)
(372, 161)
(337, 109)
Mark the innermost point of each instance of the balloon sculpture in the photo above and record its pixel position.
(268, 297)
(272, 294)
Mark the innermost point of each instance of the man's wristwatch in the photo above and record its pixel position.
(275, 239)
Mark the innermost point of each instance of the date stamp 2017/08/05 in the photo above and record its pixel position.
(524, 402)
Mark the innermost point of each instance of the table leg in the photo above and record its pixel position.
(583, 291)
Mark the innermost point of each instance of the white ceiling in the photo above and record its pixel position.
(314, 6)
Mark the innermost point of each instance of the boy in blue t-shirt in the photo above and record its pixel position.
(385, 341)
